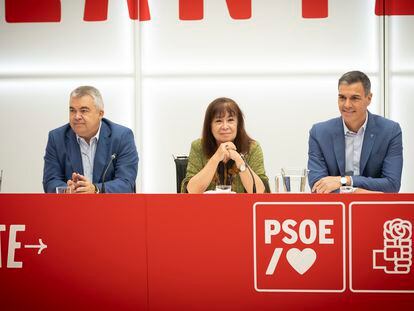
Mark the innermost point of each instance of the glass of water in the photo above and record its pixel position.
(223, 188)
(346, 189)
(63, 190)
(291, 180)
(224, 185)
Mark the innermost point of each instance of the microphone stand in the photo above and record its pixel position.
(113, 156)
(250, 171)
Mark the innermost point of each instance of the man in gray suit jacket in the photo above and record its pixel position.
(358, 149)
(79, 153)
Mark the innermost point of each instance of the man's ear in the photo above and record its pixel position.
(369, 98)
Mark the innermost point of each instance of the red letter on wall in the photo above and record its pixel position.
(194, 9)
(394, 7)
(97, 10)
(32, 11)
(314, 8)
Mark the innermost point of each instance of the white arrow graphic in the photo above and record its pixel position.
(41, 246)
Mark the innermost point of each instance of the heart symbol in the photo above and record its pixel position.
(301, 261)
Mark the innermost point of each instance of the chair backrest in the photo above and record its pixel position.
(181, 162)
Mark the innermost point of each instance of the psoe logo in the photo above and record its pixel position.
(299, 246)
(381, 247)
(396, 256)
(13, 245)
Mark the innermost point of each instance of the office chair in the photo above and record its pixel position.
(181, 162)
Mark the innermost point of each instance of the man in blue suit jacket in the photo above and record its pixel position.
(78, 153)
(358, 149)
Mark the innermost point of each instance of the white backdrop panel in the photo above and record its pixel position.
(29, 109)
(71, 46)
(279, 113)
(401, 92)
(402, 111)
(401, 45)
(281, 68)
(275, 39)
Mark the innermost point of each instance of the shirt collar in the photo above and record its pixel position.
(363, 127)
(79, 139)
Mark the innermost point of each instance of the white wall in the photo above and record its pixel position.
(280, 68)
(40, 63)
(401, 88)
(159, 76)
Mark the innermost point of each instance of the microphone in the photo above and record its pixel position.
(250, 171)
(113, 156)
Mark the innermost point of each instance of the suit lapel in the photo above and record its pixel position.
(102, 155)
(339, 146)
(368, 144)
(73, 150)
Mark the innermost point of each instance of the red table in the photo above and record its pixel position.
(203, 252)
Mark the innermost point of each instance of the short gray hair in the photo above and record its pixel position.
(92, 92)
(352, 77)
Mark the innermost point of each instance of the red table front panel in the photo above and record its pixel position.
(205, 252)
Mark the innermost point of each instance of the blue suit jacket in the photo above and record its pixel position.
(381, 156)
(63, 157)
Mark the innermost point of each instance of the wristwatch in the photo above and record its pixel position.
(96, 188)
(343, 181)
(242, 168)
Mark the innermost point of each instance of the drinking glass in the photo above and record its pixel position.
(224, 187)
(63, 190)
(346, 189)
(291, 180)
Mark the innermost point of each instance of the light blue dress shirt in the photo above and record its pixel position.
(353, 148)
(88, 153)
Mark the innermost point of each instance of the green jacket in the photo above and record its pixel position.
(197, 160)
